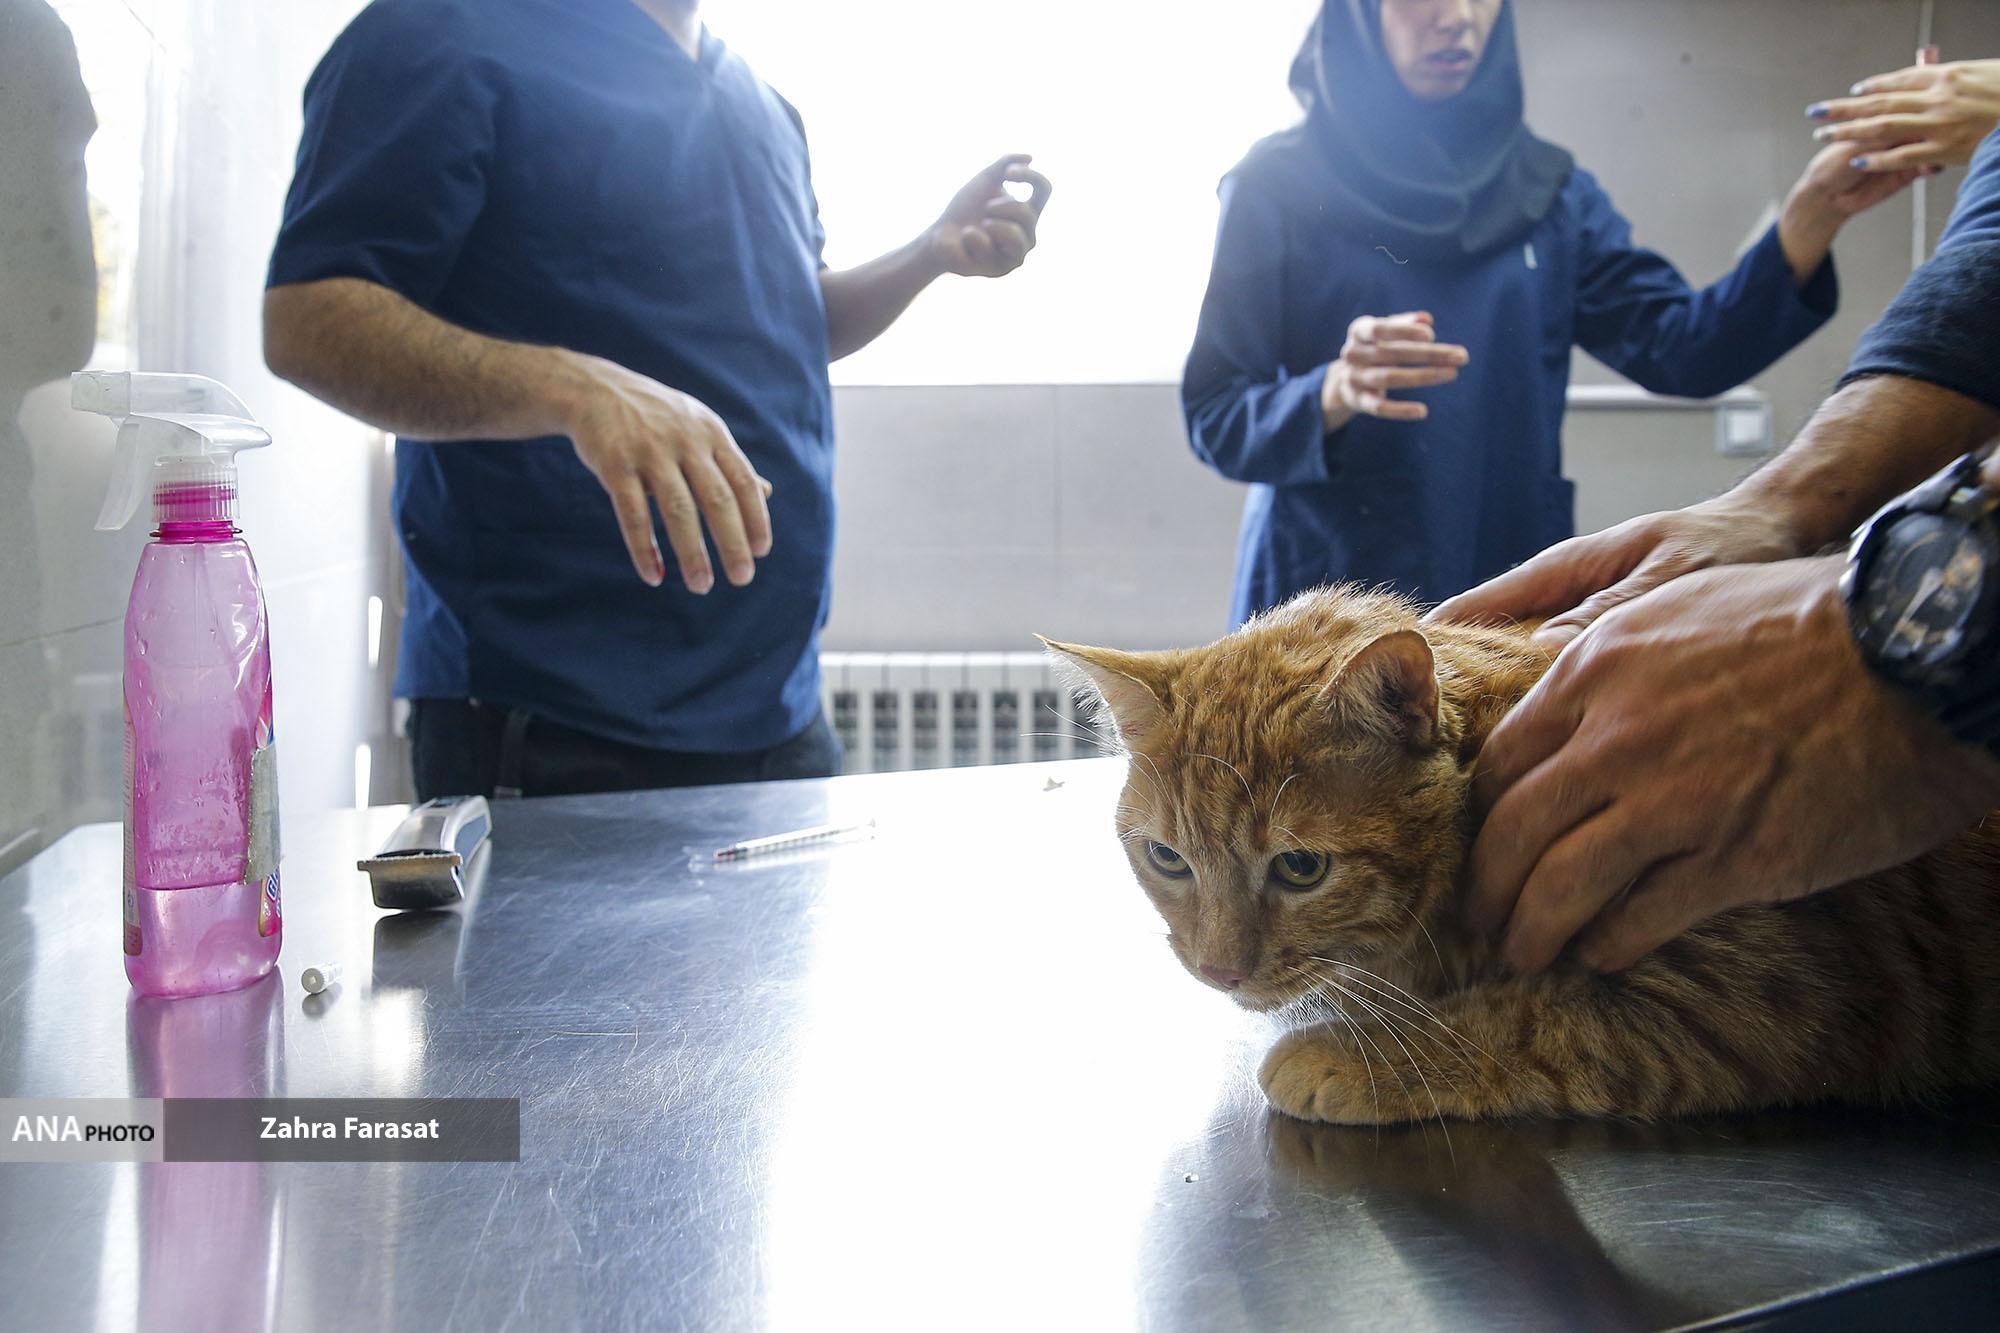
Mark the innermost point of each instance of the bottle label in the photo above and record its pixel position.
(261, 812)
(134, 942)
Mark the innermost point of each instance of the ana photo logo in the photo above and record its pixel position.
(74, 1129)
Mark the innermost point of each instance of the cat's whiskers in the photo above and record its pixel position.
(1271, 813)
(1291, 838)
(1313, 994)
(1155, 779)
(1199, 754)
(1104, 749)
(1389, 1026)
(1404, 997)
(1433, 1042)
(1444, 973)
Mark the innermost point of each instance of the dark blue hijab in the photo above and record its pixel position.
(1432, 180)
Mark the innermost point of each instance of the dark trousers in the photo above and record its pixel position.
(462, 748)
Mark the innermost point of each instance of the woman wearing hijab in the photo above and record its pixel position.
(1413, 186)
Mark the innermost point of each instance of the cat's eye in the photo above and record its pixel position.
(1299, 870)
(1167, 861)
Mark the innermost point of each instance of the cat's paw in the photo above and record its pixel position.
(1320, 1074)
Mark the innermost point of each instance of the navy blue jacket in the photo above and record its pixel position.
(561, 172)
(1431, 508)
(1944, 326)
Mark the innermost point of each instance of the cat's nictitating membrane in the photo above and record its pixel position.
(1296, 808)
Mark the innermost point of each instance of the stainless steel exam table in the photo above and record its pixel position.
(948, 1077)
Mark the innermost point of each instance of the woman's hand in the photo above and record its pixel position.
(1923, 118)
(1831, 191)
(1384, 353)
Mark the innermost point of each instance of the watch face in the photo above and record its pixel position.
(1923, 587)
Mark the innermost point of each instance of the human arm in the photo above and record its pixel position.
(1252, 412)
(378, 356)
(1873, 439)
(1919, 391)
(1830, 191)
(398, 147)
(1638, 315)
(1924, 118)
(1717, 742)
(983, 232)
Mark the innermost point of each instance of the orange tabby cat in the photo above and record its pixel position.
(1296, 807)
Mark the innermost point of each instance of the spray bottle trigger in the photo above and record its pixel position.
(128, 483)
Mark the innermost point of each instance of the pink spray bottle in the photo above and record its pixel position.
(201, 784)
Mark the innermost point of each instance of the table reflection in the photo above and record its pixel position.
(211, 1234)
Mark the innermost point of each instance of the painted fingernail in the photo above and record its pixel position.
(1822, 134)
(1856, 90)
(1817, 110)
(1859, 163)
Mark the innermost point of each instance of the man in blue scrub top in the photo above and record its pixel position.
(1414, 186)
(568, 252)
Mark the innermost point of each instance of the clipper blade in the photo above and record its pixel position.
(415, 879)
(423, 864)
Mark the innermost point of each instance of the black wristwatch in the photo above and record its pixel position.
(1922, 589)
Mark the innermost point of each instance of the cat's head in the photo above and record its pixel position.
(1296, 792)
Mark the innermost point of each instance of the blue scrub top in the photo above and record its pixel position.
(1944, 326)
(561, 172)
(1432, 508)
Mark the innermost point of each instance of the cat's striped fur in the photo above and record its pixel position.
(1285, 735)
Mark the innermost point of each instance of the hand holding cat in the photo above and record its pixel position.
(1576, 581)
(1713, 743)
(1384, 353)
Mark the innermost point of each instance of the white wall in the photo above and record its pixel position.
(198, 108)
(972, 516)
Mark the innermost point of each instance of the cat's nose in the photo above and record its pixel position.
(1226, 977)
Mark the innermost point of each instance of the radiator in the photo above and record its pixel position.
(896, 711)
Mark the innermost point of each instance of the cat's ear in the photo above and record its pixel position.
(1132, 685)
(1389, 687)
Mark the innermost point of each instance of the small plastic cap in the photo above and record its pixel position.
(317, 979)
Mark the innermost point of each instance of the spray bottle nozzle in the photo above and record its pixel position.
(181, 433)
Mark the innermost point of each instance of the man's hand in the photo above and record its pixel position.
(1831, 191)
(639, 439)
(986, 232)
(1384, 353)
(1923, 118)
(1714, 743)
(1574, 582)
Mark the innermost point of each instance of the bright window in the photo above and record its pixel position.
(1133, 109)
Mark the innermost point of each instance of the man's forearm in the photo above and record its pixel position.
(378, 356)
(1868, 443)
(862, 302)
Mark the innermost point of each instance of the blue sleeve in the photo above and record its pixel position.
(818, 231)
(1638, 315)
(394, 157)
(1944, 326)
(1249, 415)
